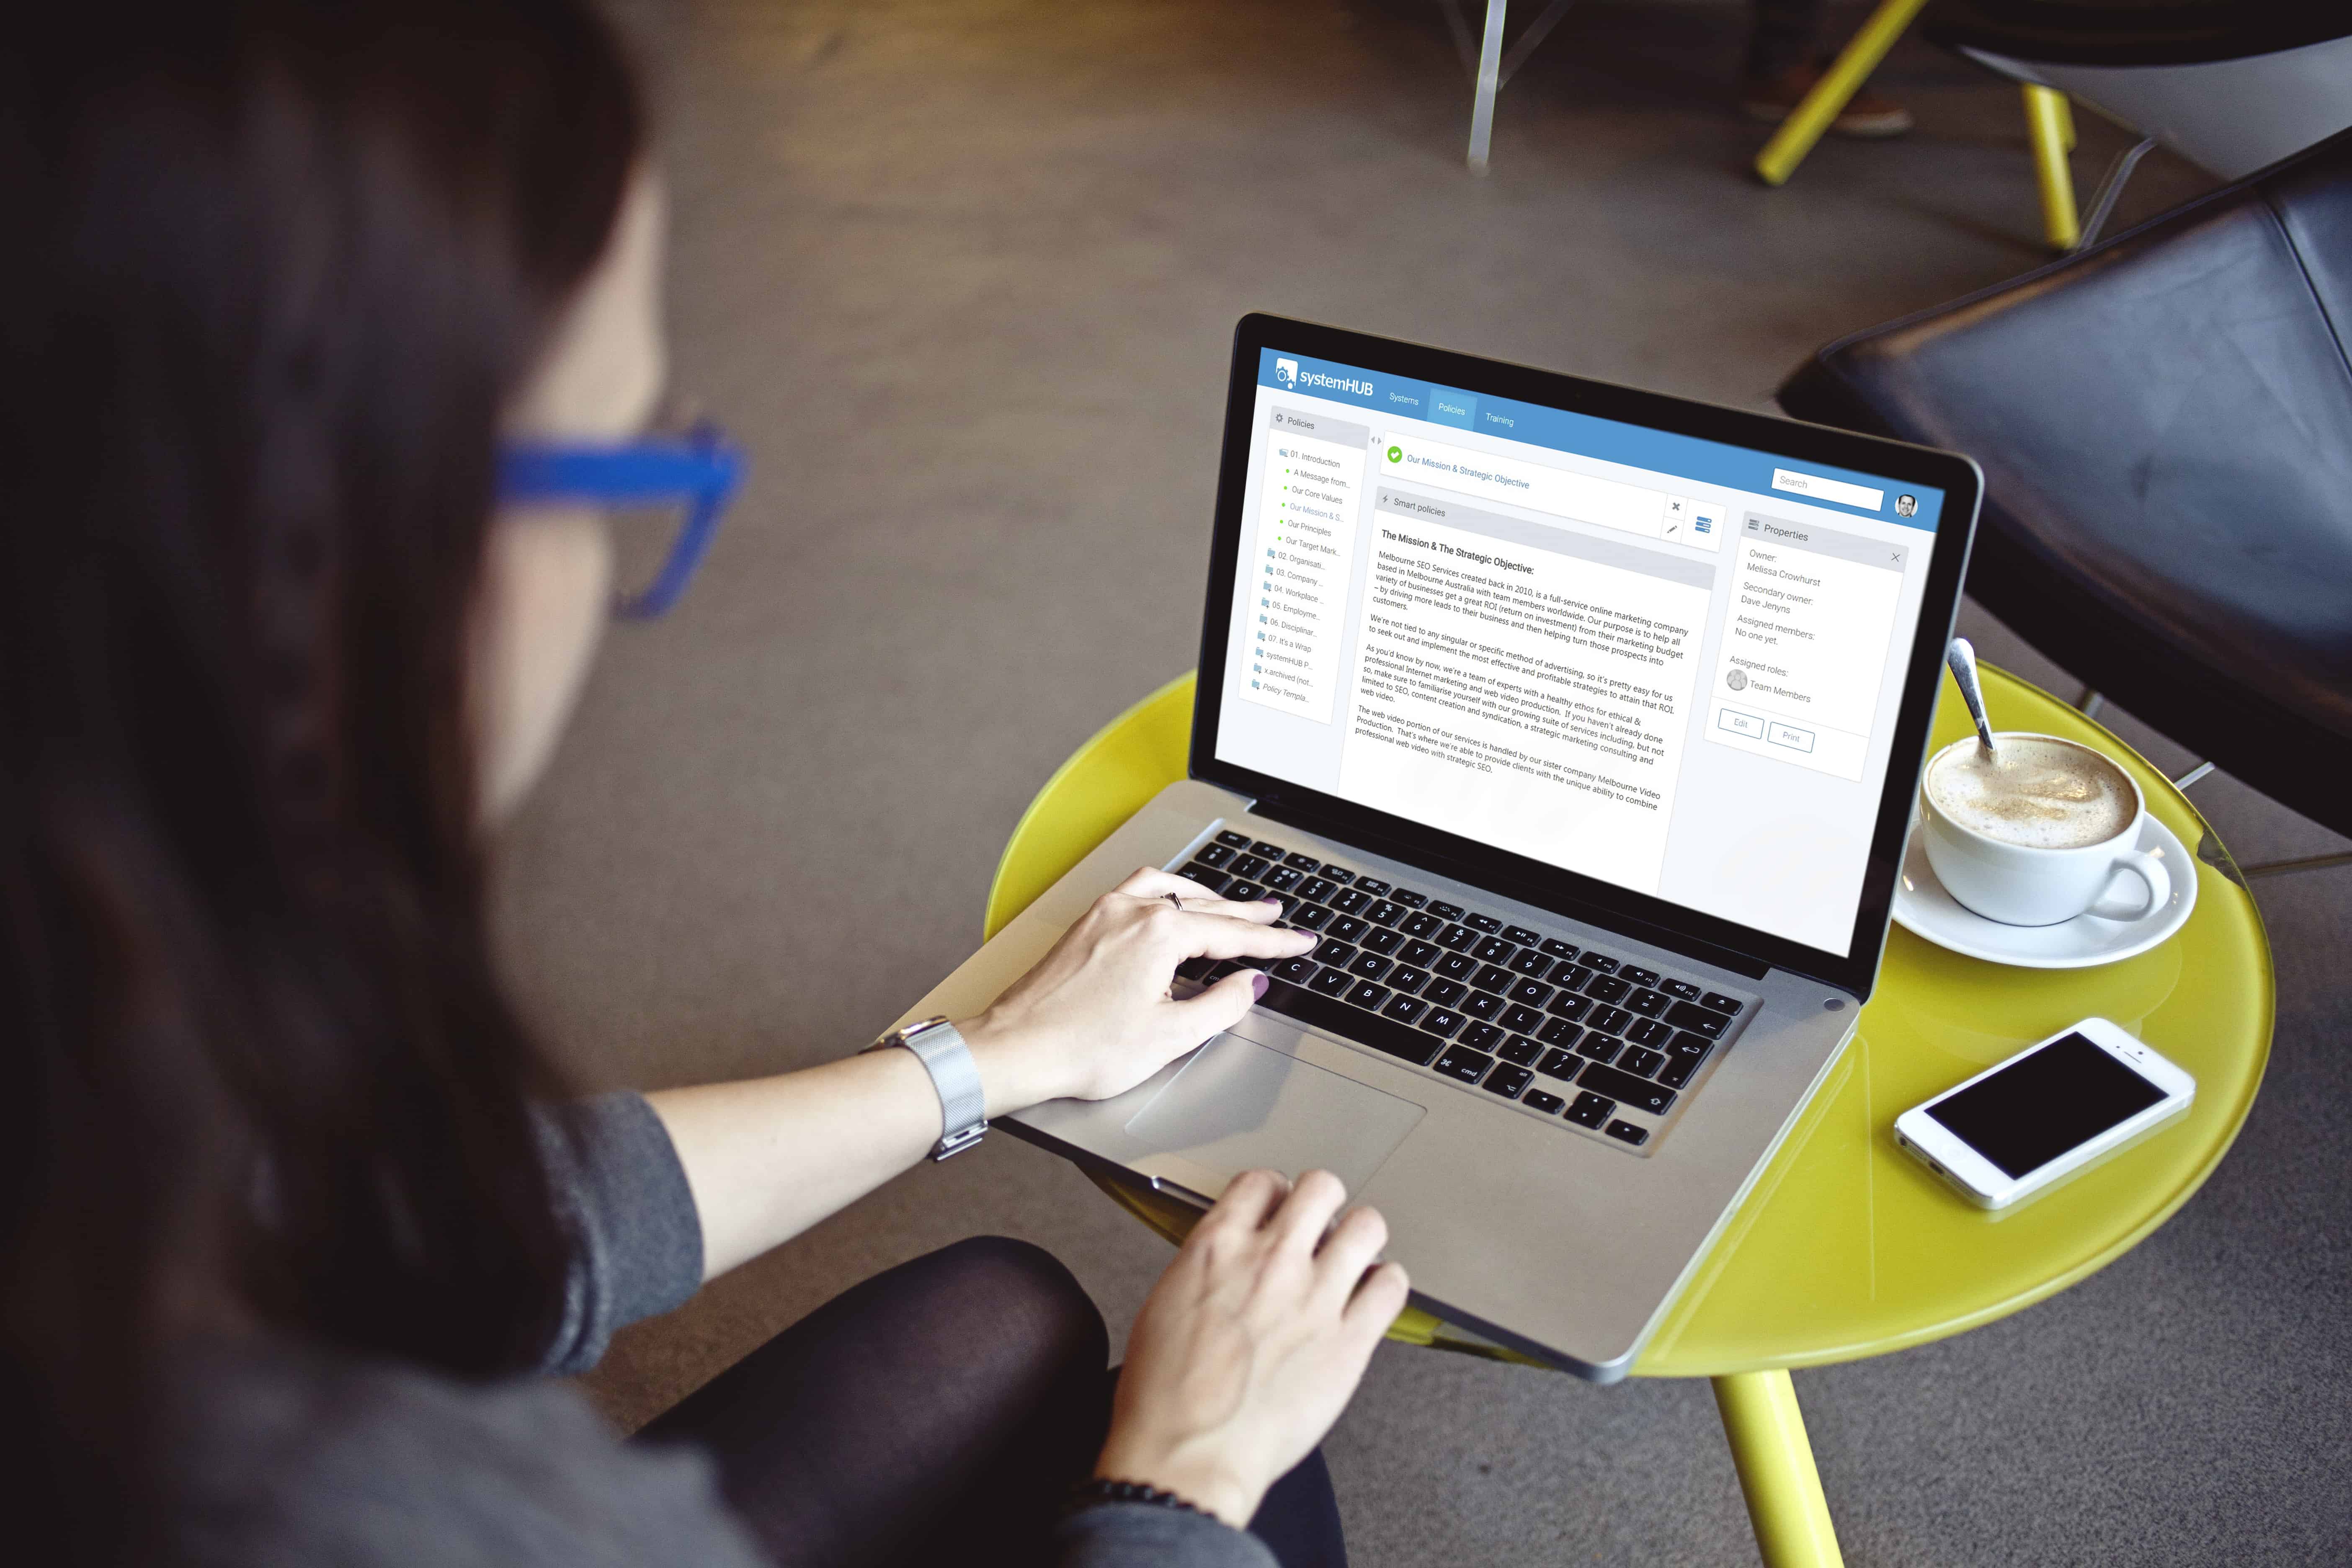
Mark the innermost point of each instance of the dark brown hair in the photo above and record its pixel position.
(270, 273)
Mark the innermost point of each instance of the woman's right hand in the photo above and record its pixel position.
(1252, 1343)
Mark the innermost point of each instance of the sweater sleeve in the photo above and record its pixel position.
(1145, 1535)
(636, 1238)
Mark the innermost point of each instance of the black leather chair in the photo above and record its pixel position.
(2164, 423)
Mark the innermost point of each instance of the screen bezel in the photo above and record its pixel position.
(1571, 893)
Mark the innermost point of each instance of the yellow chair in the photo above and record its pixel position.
(2049, 122)
(1846, 1248)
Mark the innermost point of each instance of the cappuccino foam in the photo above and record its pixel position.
(2040, 793)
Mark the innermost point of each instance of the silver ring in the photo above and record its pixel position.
(1174, 900)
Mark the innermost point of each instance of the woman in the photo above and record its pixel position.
(286, 1235)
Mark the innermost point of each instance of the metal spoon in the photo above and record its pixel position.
(1963, 660)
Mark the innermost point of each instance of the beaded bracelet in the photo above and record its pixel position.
(1087, 1494)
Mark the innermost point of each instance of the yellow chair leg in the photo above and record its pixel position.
(2048, 122)
(1766, 1433)
(2067, 120)
(1797, 134)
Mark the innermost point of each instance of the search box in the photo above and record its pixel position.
(1837, 490)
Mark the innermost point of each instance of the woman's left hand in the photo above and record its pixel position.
(1093, 1019)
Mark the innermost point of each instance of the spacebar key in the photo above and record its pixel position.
(1353, 1022)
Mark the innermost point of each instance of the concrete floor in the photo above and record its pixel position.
(963, 275)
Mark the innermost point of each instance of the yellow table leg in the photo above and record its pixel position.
(2049, 123)
(1797, 134)
(1766, 1433)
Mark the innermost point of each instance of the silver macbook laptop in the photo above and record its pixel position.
(1581, 724)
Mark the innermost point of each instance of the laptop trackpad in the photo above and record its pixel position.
(1239, 1106)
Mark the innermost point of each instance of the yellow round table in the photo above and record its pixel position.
(1845, 1247)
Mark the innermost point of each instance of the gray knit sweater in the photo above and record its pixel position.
(292, 1457)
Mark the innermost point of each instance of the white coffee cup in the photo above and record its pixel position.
(2038, 885)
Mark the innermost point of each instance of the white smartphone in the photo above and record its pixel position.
(2044, 1113)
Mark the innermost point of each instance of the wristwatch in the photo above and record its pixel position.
(964, 1107)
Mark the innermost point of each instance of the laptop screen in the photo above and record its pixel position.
(1664, 662)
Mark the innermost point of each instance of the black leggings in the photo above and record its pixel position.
(943, 1406)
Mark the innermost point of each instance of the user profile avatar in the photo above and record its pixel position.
(1906, 505)
(1737, 681)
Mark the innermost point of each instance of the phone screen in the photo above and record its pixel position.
(2037, 1107)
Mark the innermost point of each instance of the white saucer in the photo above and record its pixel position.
(1924, 907)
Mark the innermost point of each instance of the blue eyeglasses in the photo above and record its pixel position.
(699, 471)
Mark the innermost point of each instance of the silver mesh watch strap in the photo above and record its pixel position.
(963, 1106)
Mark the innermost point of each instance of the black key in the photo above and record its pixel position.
(1282, 879)
(1522, 936)
(1271, 851)
(1383, 913)
(1318, 888)
(1382, 941)
(1557, 948)
(1638, 976)
(1628, 1132)
(1404, 1009)
(1494, 977)
(1444, 910)
(1365, 1028)
(1288, 901)
(1530, 992)
(1301, 862)
(1506, 1081)
(1212, 879)
(1460, 1062)
(1520, 1020)
(1217, 855)
(1421, 954)
(1520, 1049)
(1482, 1003)
(1530, 961)
(1456, 966)
(1221, 970)
(1559, 1032)
(1334, 950)
(1233, 840)
(1609, 988)
(1346, 928)
(1698, 1020)
(1483, 1036)
(1445, 992)
(1408, 898)
(1421, 923)
(1495, 950)
(1610, 1020)
(1367, 994)
(1329, 983)
(1536, 1100)
(1442, 1021)
(1244, 892)
(1683, 990)
(1569, 1004)
(1250, 867)
(1339, 874)
(1309, 917)
(1368, 966)
(1687, 1043)
(1641, 1062)
(1678, 1071)
(1198, 969)
(1456, 937)
(1727, 1006)
(1350, 900)
(1561, 1065)
(1487, 924)
(1573, 975)
(1648, 1003)
(1600, 1047)
(1638, 1092)
(1405, 977)
(1590, 1110)
(1649, 1032)
(1600, 962)
(1373, 886)
(1253, 961)
(1298, 971)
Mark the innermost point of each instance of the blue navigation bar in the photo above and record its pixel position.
(1609, 440)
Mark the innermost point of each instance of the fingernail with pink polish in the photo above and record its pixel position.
(1269, 898)
(1258, 983)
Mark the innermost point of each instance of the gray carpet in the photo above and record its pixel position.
(963, 275)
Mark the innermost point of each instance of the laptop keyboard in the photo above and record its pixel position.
(1558, 1029)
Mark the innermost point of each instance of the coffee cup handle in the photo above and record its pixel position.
(2152, 875)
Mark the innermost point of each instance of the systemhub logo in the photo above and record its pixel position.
(1286, 371)
(1301, 380)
